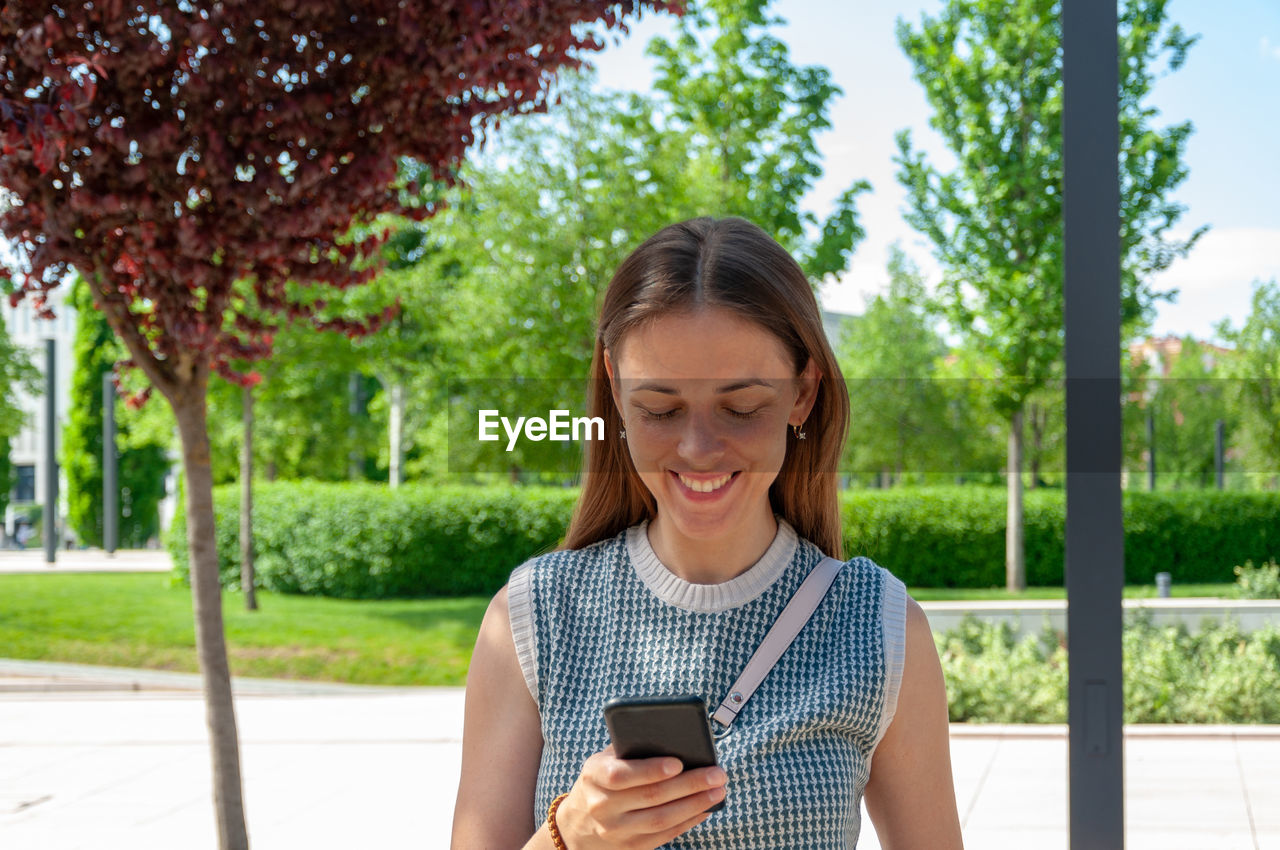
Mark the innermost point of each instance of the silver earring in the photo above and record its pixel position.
(622, 432)
(795, 429)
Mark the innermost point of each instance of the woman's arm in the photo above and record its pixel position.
(614, 803)
(910, 796)
(501, 744)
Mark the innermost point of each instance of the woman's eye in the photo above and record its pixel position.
(744, 414)
(656, 415)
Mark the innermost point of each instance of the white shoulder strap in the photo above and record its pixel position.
(780, 636)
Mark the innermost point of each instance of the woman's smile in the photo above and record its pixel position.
(703, 487)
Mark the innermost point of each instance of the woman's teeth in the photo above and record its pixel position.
(705, 486)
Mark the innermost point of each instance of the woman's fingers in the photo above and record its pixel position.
(615, 774)
(658, 839)
(691, 801)
(640, 802)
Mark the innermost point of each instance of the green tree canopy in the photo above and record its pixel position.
(901, 421)
(513, 267)
(992, 73)
(752, 118)
(1254, 373)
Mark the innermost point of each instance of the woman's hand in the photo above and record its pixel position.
(637, 804)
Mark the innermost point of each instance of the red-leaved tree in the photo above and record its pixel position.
(190, 157)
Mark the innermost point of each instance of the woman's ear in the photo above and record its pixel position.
(808, 381)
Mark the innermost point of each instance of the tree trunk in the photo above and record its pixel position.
(246, 503)
(190, 411)
(396, 417)
(1015, 563)
(1039, 421)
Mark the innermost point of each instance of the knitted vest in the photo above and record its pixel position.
(610, 620)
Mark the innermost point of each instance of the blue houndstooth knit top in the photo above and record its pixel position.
(611, 620)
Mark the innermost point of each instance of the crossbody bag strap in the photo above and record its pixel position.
(780, 636)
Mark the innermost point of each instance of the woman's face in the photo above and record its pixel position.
(706, 398)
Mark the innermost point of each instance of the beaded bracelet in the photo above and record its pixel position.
(551, 822)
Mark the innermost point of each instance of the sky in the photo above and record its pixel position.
(1229, 88)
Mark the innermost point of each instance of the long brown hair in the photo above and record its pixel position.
(732, 263)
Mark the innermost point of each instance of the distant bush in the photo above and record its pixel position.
(952, 536)
(955, 536)
(1261, 582)
(1218, 675)
(361, 541)
(368, 541)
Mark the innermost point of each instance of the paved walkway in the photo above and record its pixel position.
(100, 758)
(85, 561)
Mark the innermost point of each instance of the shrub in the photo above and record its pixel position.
(1198, 536)
(368, 541)
(1218, 675)
(954, 536)
(1258, 582)
(365, 540)
(992, 679)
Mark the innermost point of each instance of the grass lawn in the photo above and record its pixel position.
(139, 620)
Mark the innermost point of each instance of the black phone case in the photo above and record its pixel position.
(650, 727)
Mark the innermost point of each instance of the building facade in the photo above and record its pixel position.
(27, 449)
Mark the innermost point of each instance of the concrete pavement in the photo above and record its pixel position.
(85, 561)
(99, 758)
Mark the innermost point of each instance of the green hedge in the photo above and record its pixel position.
(367, 541)
(954, 537)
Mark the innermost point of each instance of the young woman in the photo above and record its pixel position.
(711, 499)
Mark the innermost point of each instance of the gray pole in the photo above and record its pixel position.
(1095, 526)
(50, 452)
(1151, 449)
(110, 480)
(353, 411)
(1219, 446)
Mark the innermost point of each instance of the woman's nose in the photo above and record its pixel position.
(700, 442)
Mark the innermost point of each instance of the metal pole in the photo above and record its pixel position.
(50, 452)
(1095, 526)
(110, 463)
(1219, 446)
(353, 411)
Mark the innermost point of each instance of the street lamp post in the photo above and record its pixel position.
(50, 452)
(110, 463)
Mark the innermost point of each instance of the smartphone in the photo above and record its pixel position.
(650, 727)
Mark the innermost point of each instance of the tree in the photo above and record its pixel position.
(902, 418)
(167, 151)
(1254, 373)
(301, 410)
(523, 253)
(1189, 400)
(504, 294)
(752, 118)
(992, 71)
(143, 463)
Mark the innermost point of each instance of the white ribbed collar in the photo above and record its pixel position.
(710, 598)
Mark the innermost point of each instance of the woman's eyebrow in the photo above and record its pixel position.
(727, 388)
